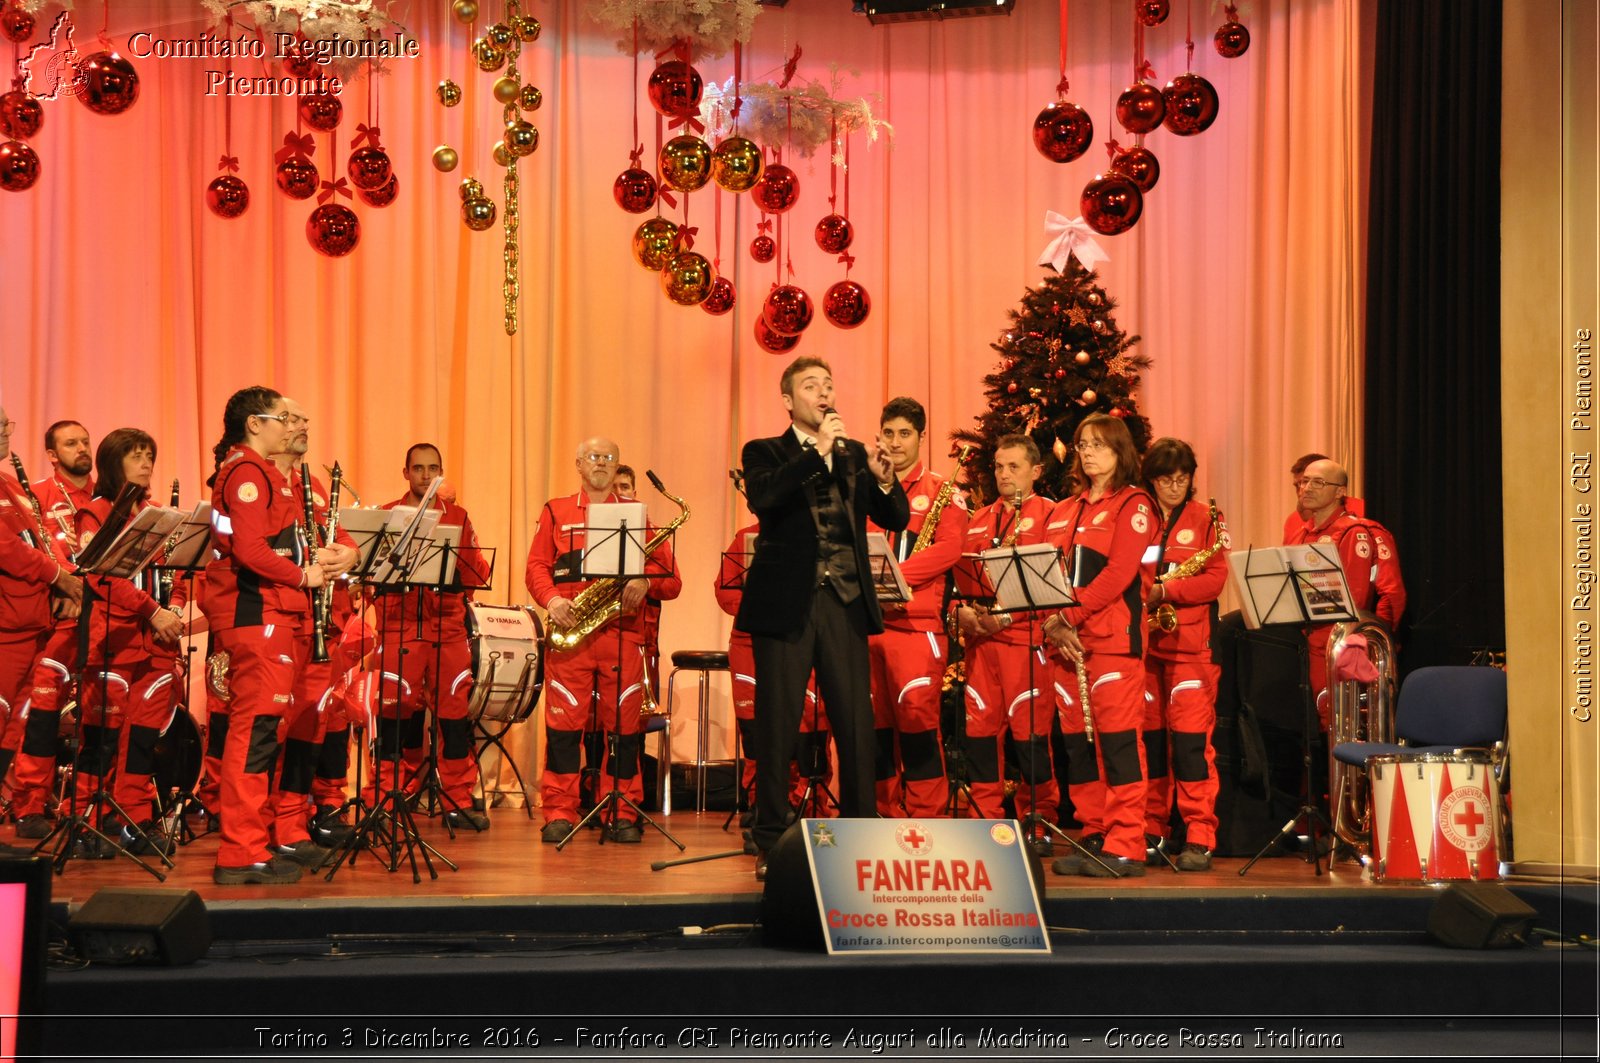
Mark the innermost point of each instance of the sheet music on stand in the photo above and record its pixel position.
(887, 578)
(365, 527)
(1302, 584)
(614, 539)
(1026, 578)
(406, 533)
(191, 541)
(138, 543)
(110, 529)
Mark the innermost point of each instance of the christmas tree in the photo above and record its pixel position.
(1062, 359)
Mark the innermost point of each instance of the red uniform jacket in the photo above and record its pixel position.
(342, 604)
(988, 528)
(444, 613)
(1353, 537)
(256, 578)
(1386, 578)
(1104, 542)
(118, 631)
(556, 555)
(61, 500)
(1185, 533)
(925, 570)
(25, 570)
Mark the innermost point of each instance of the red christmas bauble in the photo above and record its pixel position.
(1139, 165)
(1232, 40)
(1111, 203)
(228, 196)
(834, 233)
(16, 24)
(722, 297)
(1011, 388)
(321, 111)
(787, 310)
(369, 168)
(21, 115)
(1191, 105)
(1141, 107)
(297, 177)
(772, 341)
(846, 304)
(298, 64)
(1063, 131)
(634, 190)
(384, 194)
(109, 83)
(333, 229)
(1152, 12)
(19, 166)
(675, 89)
(778, 189)
(763, 249)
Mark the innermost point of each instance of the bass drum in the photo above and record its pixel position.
(507, 662)
(177, 755)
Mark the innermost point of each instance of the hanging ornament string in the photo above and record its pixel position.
(716, 230)
(847, 258)
(337, 187)
(1188, 35)
(664, 192)
(637, 155)
(833, 163)
(1062, 86)
(738, 71)
(786, 271)
(105, 26)
(229, 162)
(511, 286)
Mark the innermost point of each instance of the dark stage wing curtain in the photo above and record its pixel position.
(1432, 421)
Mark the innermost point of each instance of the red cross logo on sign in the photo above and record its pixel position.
(913, 839)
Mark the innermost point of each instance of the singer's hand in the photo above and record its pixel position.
(831, 429)
(878, 461)
(560, 610)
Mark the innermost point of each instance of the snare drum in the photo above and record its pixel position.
(1434, 817)
(507, 662)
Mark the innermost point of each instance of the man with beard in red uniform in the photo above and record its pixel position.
(30, 569)
(423, 637)
(69, 486)
(1180, 676)
(256, 603)
(1103, 531)
(908, 659)
(584, 681)
(1007, 674)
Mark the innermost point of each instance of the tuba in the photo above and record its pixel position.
(601, 601)
(1361, 712)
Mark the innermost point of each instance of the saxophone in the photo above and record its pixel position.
(947, 491)
(601, 601)
(1164, 617)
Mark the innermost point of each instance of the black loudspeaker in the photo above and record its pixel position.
(143, 926)
(1480, 915)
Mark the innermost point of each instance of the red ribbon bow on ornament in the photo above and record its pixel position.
(686, 238)
(229, 163)
(1070, 238)
(636, 155)
(849, 261)
(1113, 149)
(692, 121)
(1146, 72)
(764, 225)
(366, 133)
(296, 146)
(664, 194)
(789, 68)
(341, 186)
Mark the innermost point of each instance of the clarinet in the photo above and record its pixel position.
(324, 599)
(41, 535)
(319, 633)
(165, 580)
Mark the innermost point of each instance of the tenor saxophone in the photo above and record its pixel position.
(1164, 617)
(601, 602)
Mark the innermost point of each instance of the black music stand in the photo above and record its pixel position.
(620, 555)
(123, 548)
(185, 554)
(389, 824)
(1293, 586)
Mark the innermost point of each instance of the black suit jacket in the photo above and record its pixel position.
(778, 474)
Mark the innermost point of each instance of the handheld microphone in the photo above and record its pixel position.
(841, 444)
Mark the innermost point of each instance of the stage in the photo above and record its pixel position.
(524, 938)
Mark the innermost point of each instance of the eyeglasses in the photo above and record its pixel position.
(1089, 446)
(7, 426)
(1315, 484)
(1177, 479)
(281, 418)
(599, 459)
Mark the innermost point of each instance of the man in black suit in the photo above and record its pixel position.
(808, 596)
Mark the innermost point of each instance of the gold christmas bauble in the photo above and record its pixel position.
(449, 93)
(685, 163)
(522, 139)
(478, 214)
(502, 157)
(488, 57)
(506, 90)
(736, 164)
(500, 36)
(445, 158)
(654, 242)
(471, 188)
(531, 98)
(687, 278)
(465, 10)
(527, 28)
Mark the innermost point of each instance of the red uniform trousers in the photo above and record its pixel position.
(36, 721)
(1008, 692)
(445, 672)
(120, 742)
(1180, 714)
(209, 791)
(813, 723)
(573, 679)
(1106, 782)
(261, 675)
(907, 687)
(19, 651)
(302, 738)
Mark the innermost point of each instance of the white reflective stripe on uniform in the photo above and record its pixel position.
(109, 676)
(975, 696)
(464, 677)
(564, 692)
(923, 681)
(740, 677)
(1187, 684)
(56, 666)
(1061, 692)
(395, 677)
(1109, 677)
(270, 627)
(933, 644)
(626, 694)
(222, 523)
(1011, 710)
(171, 716)
(151, 690)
